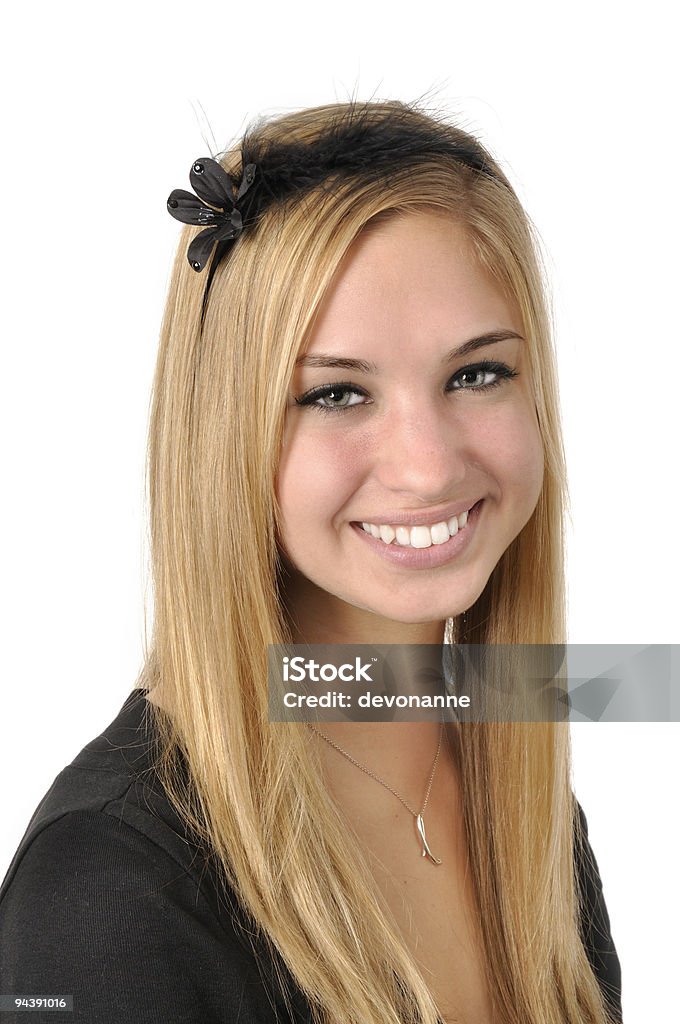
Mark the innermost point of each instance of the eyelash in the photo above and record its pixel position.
(311, 398)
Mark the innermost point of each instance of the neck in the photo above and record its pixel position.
(404, 750)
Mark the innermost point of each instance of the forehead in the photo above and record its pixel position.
(414, 275)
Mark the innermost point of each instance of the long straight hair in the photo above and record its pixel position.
(252, 790)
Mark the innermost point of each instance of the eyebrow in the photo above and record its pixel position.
(362, 366)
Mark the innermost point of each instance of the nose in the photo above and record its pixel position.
(422, 452)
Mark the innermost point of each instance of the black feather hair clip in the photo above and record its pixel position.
(213, 185)
(365, 143)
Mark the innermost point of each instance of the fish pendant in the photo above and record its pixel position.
(427, 852)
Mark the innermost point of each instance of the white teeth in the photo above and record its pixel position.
(440, 533)
(418, 536)
(421, 537)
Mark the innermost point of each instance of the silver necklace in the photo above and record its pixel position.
(418, 815)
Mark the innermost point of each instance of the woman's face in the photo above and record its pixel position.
(394, 422)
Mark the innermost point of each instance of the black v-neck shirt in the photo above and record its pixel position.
(109, 900)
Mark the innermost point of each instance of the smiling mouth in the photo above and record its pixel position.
(419, 536)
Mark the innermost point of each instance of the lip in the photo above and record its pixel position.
(416, 518)
(423, 558)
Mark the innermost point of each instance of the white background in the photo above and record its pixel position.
(104, 109)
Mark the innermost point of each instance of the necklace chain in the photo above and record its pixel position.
(367, 771)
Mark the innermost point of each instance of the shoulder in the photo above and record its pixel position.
(97, 910)
(594, 917)
(108, 900)
(112, 780)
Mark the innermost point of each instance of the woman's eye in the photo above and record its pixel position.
(338, 397)
(332, 396)
(476, 378)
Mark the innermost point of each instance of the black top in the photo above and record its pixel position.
(109, 901)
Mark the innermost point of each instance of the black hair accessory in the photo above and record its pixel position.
(213, 185)
(362, 143)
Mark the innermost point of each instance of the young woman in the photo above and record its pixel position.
(355, 438)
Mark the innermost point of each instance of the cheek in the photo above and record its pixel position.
(528, 459)
(513, 443)
(317, 475)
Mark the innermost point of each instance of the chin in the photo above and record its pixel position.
(418, 613)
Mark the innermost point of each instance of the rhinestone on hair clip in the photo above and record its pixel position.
(213, 186)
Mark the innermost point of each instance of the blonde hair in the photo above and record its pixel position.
(251, 789)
